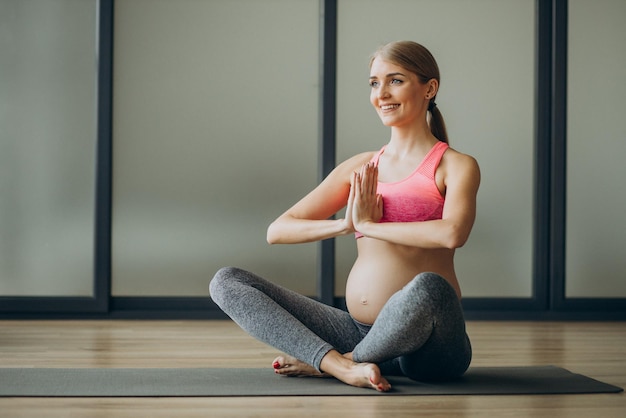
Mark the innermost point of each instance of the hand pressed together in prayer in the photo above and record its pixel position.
(364, 204)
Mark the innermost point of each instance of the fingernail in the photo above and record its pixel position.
(276, 365)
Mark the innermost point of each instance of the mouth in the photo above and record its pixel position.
(388, 107)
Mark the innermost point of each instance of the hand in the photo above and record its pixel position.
(365, 204)
(349, 225)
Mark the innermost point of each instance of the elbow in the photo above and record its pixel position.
(279, 231)
(453, 244)
(276, 233)
(457, 237)
(272, 235)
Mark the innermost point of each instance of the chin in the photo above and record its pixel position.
(388, 122)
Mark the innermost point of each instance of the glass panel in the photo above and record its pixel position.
(596, 192)
(47, 151)
(485, 51)
(215, 135)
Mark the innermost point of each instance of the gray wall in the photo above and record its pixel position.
(216, 127)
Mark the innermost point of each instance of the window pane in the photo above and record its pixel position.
(47, 152)
(596, 192)
(215, 135)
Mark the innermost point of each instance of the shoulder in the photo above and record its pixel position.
(460, 167)
(454, 158)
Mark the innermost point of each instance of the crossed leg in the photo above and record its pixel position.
(419, 325)
(313, 335)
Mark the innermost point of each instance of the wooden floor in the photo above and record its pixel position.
(596, 349)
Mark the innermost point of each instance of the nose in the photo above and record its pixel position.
(383, 92)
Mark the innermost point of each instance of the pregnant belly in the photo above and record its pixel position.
(382, 270)
(370, 286)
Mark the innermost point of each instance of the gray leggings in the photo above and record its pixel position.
(419, 333)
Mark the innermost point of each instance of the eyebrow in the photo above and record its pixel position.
(389, 75)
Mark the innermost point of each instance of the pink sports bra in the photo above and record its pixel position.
(416, 198)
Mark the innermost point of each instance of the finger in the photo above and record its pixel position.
(374, 179)
(363, 170)
(375, 176)
(363, 178)
(357, 184)
(352, 187)
(350, 203)
(370, 186)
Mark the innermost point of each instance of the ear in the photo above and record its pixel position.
(433, 88)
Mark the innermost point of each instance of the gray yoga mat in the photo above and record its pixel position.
(182, 382)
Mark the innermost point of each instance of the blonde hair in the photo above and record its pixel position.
(418, 60)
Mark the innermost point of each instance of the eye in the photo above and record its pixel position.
(396, 81)
(373, 83)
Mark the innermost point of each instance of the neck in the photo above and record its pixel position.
(405, 140)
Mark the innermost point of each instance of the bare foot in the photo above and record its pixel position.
(290, 366)
(366, 375)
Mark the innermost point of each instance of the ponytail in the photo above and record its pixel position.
(437, 124)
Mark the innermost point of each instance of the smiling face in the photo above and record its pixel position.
(397, 94)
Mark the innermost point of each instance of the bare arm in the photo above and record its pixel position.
(308, 220)
(462, 179)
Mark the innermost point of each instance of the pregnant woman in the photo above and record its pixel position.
(409, 205)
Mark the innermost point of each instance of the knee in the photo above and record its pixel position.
(220, 282)
(429, 278)
(432, 284)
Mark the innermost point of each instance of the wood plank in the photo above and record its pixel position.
(595, 349)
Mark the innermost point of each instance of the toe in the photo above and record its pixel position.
(278, 362)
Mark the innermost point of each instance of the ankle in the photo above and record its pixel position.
(334, 362)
